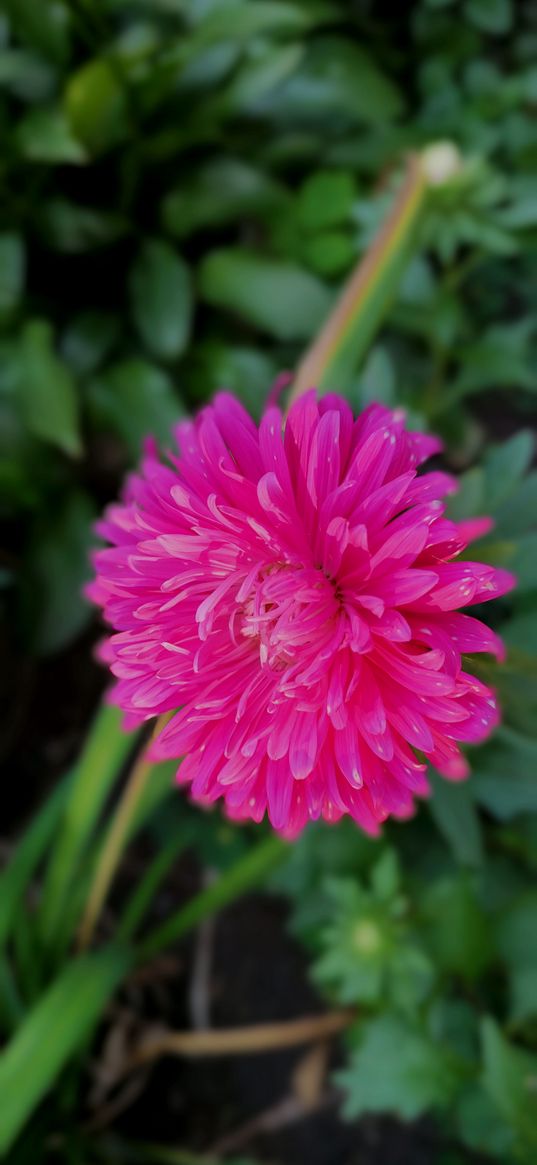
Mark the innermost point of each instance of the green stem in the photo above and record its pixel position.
(144, 893)
(368, 294)
(104, 755)
(117, 837)
(11, 1004)
(244, 875)
(27, 856)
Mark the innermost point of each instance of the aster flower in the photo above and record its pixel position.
(293, 589)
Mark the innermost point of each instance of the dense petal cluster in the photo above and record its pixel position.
(293, 589)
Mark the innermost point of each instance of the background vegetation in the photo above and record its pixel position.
(184, 186)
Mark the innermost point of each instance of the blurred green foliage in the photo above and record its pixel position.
(184, 186)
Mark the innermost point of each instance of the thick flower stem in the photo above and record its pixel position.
(115, 841)
(361, 308)
(243, 876)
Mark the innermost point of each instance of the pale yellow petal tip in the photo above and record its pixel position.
(441, 162)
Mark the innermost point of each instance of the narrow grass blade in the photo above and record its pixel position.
(29, 852)
(52, 1033)
(104, 754)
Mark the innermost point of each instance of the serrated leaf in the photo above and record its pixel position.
(480, 1125)
(396, 1069)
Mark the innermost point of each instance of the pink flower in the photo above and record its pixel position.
(293, 589)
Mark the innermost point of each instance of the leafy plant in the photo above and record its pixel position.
(184, 190)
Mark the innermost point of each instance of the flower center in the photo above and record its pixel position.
(291, 609)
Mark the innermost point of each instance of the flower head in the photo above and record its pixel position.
(293, 590)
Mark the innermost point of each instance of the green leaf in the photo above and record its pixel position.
(453, 811)
(28, 853)
(492, 16)
(52, 1033)
(516, 937)
(45, 28)
(222, 191)
(161, 299)
(338, 77)
(135, 399)
(505, 775)
(96, 105)
(457, 928)
(260, 75)
(280, 298)
(377, 381)
(279, 17)
(516, 514)
(247, 372)
(520, 633)
(505, 465)
(325, 200)
(501, 358)
(88, 339)
(26, 75)
(329, 253)
(104, 753)
(45, 135)
(516, 682)
(480, 1125)
(12, 272)
(470, 500)
(368, 952)
(144, 893)
(523, 563)
(48, 392)
(509, 1076)
(396, 1069)
(60, 566)
(73, 229)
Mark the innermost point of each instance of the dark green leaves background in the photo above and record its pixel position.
(184, 187)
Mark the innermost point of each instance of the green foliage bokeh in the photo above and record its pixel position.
(184, 187)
